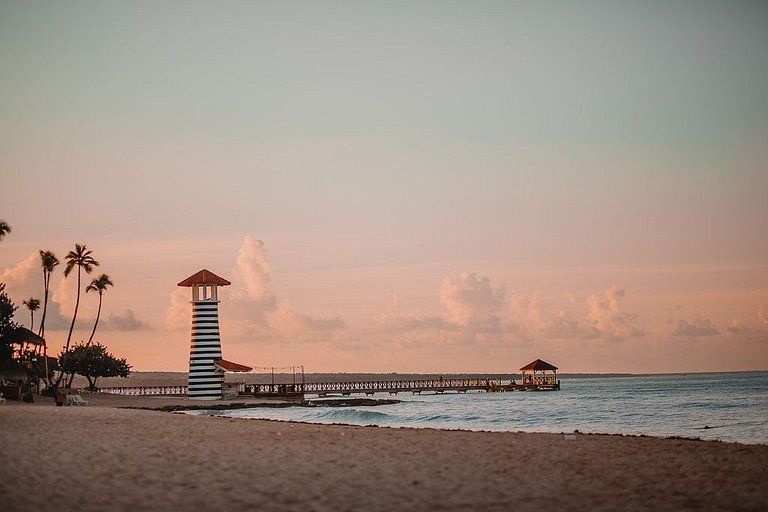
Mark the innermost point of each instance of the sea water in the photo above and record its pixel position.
(724, 406)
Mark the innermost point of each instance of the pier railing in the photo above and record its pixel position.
(146, 391)
(348, 388)
(398, 386)
(326, 388)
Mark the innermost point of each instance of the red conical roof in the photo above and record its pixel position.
(204, 277)
(539, 365)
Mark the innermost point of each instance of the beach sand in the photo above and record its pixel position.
(108, 458)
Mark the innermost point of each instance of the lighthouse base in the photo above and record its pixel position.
(205, 383)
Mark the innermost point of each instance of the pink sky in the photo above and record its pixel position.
(417, 317)
(397, 187)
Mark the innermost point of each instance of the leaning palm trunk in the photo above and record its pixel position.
(46, 281)
(48, 379)
(98, 314)
(41, 331)
(71, 328)
(99, 284)
(49, 262)
(82, 259)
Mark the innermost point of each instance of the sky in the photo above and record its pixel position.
(396, 186)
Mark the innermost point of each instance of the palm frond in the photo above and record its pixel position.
(32, 304)
(80, 257)
(4, 228)
(48, 260)
(69, 267)
(100, 284)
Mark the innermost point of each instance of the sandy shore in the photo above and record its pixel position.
(107, 458)
(156, 402)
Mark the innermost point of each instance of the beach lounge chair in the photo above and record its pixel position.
(78, 400)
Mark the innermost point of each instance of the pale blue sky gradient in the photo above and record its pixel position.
(425, 139)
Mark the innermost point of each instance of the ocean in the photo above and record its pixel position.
(724, 406)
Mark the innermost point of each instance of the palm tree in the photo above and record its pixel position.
(4, 229)
(32, 305)
(98, 285)
(82, 259)
(48, 261)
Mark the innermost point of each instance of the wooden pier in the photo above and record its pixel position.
(536, 376)
(394, 387)
(322, 389)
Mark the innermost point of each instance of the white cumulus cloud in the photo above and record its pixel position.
(253, 273)
(471, 301)
(607, 319)
(251, 308)
(762, 314)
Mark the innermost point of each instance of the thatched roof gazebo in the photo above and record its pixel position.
(24, 338)
(539, 372)
(25, 365)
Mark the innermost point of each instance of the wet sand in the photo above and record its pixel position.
(108, 458)
(160, 402)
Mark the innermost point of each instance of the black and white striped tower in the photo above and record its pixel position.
(205, 382)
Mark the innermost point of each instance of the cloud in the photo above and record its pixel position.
(61, 293)
(19, 287)
(19, 277)
(245, 330)
(178, 316)
(528, 320)
(762, 314)
(474, 310)
(562, 327)
(523, 316)
(126, 321)
(286, 321)
(413, 322)
(252, 272)
(251, 308)
(472, 302)
(395, 299)
(606, 318)
(738, 327)
(25, 280)
(699, 327)
(478, 311)
(251, 298)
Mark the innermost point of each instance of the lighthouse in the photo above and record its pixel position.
(205, 378)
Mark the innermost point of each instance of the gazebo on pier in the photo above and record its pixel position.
(539, 373)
